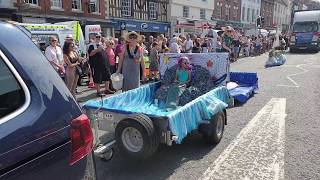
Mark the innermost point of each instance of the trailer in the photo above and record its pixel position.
(137, 123)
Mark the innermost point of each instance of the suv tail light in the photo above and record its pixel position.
(81, 138)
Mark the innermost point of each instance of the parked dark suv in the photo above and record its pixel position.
(43, 133)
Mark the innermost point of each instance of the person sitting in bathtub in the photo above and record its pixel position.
(183, 74)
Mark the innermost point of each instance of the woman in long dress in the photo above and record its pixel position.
(129, 62)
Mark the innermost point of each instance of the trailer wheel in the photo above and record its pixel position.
(213, 132)
(136, 137)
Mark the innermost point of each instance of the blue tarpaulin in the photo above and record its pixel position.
(248, 84)
(276, 60)
(182, 120)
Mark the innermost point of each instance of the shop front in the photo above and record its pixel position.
(142, 27)
(191, 26)
(6, 14)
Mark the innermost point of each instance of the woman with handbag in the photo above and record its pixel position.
(73, 69)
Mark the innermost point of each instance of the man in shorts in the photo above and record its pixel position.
(99, 65)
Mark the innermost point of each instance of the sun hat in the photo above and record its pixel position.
(228, 28)
(133, 33)
(69, 37)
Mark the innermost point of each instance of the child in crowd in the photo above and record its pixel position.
(154, 61)
(166, 50)
(183, 74)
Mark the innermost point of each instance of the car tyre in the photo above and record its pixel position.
(136, 137)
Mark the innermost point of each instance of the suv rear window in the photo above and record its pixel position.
(11, 94)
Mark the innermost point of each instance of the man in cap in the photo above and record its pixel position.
(99, 65)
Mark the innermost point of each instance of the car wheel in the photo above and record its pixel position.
(213, 132)
(136, 137)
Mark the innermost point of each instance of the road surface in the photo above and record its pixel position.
(275, 135)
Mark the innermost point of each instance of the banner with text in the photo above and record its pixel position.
(216, 63)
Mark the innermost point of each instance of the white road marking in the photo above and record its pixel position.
(258, 151)
(295, 84)
(308, 62)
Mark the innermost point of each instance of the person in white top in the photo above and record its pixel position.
(212, 35)
(174, 46)
(55, 56)
(189, 44)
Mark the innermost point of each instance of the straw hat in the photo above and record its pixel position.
(69, 37)
(133, 33)
(227, 28)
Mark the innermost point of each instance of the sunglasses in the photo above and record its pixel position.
(133, 37)
(98, 36)
(54, 40)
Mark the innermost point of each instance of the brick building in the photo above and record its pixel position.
(267, 8)
(227, 12)
(51, 11)
(148, 17)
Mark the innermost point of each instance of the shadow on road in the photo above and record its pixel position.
(161, 166)
(302, 52)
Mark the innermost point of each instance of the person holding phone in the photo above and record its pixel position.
(99, 65)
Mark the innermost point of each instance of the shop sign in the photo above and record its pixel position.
(142, 26)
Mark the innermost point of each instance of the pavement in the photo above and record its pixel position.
(275, 135)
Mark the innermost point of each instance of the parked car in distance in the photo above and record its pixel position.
(43, 133)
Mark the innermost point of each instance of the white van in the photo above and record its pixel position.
(305, 31)
(40, 33)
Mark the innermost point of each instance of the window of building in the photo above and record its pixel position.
(248, 14)
(253, 15)
(227, 12)
(126, 7)
(76, 4)
(12, 96)
(202, 14)
(56, 3)
(35, 2)
(93, 6)
(243, 13)
(219, 9)
(185, 12)
(153, 9)
(235, 13)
